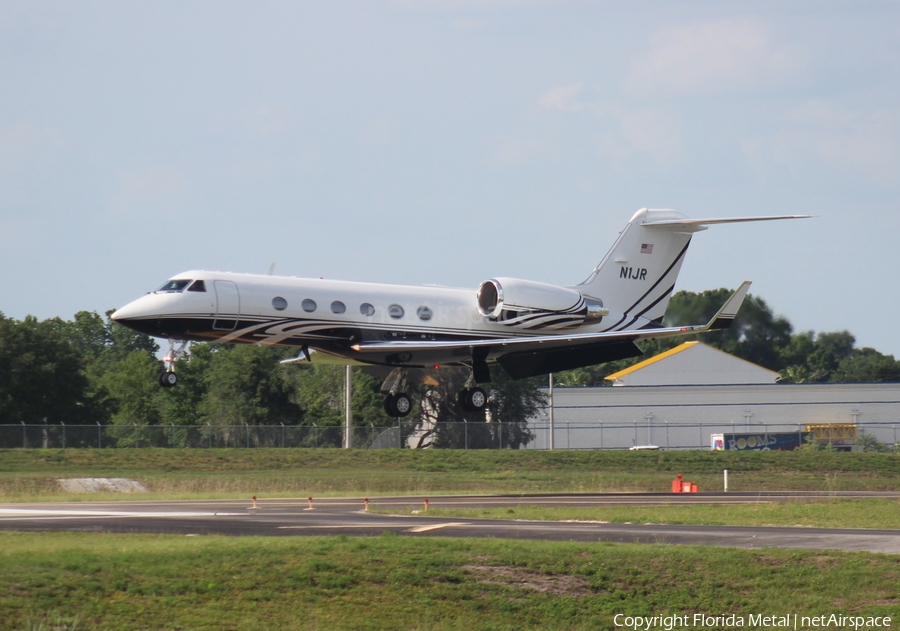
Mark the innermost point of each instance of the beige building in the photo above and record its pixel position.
(680, 398)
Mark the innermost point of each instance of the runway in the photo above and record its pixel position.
(347, 516)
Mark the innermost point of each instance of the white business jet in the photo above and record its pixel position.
(528, 328)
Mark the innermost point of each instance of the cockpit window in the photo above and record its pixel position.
(198, 285)
(175, 286)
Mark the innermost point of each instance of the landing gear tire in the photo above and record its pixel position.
(167, 379)
(472, 399)
(397, 405)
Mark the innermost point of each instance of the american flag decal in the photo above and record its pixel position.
(646, 248)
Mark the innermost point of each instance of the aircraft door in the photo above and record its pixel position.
(228, 305)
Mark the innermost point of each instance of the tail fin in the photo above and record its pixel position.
(636, 278)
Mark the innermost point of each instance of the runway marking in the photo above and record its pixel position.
(338, 526)
(435, 527)
(19, 513)
(415, 529)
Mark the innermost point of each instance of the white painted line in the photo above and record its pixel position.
(347, 526)
(435, 527)
(23, 513)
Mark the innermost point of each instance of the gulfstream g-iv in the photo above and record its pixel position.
(526, 328)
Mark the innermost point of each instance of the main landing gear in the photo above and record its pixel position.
(398, 404)
(472, 399)
(167, 378)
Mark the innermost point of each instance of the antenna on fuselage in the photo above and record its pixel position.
(271, 269)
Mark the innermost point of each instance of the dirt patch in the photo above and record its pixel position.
(99, 485)
(557, 585)
(821, 561)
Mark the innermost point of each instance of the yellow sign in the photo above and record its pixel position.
(833, 431)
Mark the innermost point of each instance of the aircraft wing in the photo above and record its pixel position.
(548, 343)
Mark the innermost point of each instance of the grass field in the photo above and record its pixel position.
(74, 581)
(100, 581)
(27, 475)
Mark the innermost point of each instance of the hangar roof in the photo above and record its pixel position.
(693, 363)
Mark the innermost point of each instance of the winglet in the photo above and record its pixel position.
(725, 316)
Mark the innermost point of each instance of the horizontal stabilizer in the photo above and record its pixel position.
(695, 225)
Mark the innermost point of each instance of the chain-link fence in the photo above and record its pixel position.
(660, 433)
(641, 432)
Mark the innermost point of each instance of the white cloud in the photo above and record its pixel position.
(868, 143)
(378, 133)
(839, 140)
(514, 152)
(562, 97)
(724, 56)
(25, 144)
(255, 122)
(155, 191)
(623, 131)
(19, 235)
(651, 132)
(456, 6)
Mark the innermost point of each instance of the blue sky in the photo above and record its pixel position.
(418, 141)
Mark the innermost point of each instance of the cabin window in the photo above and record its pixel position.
(338, 307)
(174, 285)
(308, 305)
(424, 313)
(198, 285)
(279, 303)
(366, 309)
(395, 311)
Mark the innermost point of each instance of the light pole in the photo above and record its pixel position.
(348, 412)
(551, 412)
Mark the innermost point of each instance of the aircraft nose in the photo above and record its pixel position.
(138, 315)
(123, 313)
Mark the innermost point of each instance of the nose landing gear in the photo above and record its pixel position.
(167, 378)
(397, 403)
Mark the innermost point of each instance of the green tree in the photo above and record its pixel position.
(867, 365)
(102, 345)
(829, 351)
(246, 385)
(133, 396)
(868, 442)
(42, 374)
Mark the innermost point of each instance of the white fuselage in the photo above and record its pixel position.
(328, 315)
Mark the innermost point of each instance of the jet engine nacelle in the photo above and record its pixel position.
(531, 305)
